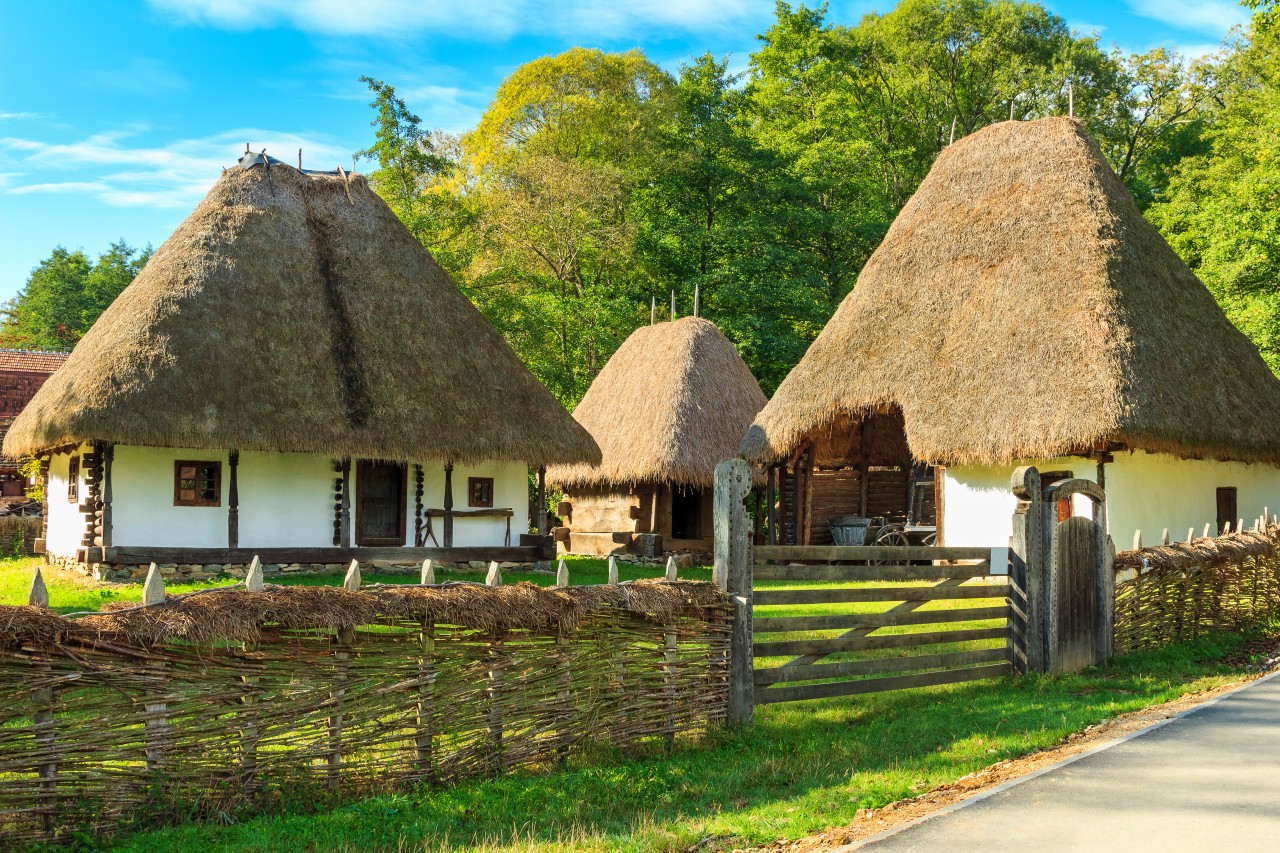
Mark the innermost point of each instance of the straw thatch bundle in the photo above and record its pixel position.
(1211, 551)
(209, 616)
(1021, 307)
(294, 312)
(674, 400)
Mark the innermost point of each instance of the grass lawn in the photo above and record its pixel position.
(69, 592)
(802, 767)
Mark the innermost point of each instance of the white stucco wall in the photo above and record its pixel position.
(1145, 491)
(66, 522)
(286, 500)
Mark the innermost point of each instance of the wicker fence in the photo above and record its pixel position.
(229, 702)
(1179, 591)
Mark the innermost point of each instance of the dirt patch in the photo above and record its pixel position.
(1262, 655)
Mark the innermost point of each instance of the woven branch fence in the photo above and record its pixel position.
(1176, 592)
(227, 702)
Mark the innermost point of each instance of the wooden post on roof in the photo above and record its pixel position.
(448, 505)
(233, 499)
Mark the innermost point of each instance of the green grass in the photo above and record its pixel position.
(70, 593)
(800, 769)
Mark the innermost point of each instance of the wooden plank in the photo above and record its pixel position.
(766, 625)
(884, 641)
(906, 663)
(766, 597)
(139, 554)
(868, 552)
(868, 573)
(878, 685)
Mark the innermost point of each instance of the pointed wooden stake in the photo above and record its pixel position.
(253, 578)
(153, 588)
(1207, 527)
(673, 305)
(613, 570)
(1137, 540)
(352, 580)
(653, 310)
(562, 575)
(428, 572)
(697, 297)
(494, 577)
(1191, 534)
(671, 568)
(38, 596)
(1240, 525)
(1164, 537)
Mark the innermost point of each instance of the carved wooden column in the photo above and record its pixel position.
(233, 499)
(448, 505)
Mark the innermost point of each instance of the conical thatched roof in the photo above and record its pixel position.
(294, 312)
(674, 400)
(1021, 307)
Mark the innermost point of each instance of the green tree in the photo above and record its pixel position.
(1221, 211)
(65, 294)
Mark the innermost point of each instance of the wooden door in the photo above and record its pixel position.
(1073, 616)
(380, 503)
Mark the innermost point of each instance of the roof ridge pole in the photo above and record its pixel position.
(697, 297)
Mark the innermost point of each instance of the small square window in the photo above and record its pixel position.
(480, 491)
(197, 483)
(73, 480)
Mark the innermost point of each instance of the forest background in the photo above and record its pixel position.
(597, 184)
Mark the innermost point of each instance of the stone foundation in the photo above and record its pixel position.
(185, 572)
(684, 559)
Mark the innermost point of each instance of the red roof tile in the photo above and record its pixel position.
(31, 361)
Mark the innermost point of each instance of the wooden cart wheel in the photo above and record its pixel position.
(894, 536)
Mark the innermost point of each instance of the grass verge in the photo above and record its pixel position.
(800, 769)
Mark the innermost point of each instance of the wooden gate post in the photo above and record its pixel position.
(1029, 571)
(732, 573)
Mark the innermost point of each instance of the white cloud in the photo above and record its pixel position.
(487, 20)
(1207, 16)
(174, 174)
(1085, 28)
(139, 76)
(18, 116)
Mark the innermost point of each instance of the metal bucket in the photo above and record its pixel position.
(849, 529)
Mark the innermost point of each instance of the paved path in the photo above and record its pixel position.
(1205, 781)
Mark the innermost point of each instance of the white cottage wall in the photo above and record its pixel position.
(142, 510)
(510, 491)
(66, 524)
(1145, 491)
(286, 500)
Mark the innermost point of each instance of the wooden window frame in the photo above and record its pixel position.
(178, 465)
(402, 525)
(73, 480)
(474, 483)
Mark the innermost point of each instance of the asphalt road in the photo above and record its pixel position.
(1205, 781)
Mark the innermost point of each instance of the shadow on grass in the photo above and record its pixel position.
(801, 768)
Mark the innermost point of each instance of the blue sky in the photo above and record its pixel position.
(116, 117)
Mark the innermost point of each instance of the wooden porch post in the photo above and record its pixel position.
(108, 454)
(864, 466)
(770, 498)
(233, 499)
(542, 500)
(344, 514)
(448, 505)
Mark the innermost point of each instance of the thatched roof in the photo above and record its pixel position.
(294, 312)
(1021, 307)
(674, 400)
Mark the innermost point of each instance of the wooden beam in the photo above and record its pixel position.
(876, 685)
(766, 625)
(861, 644)
(448, 505)
(876, 666)
(233, 500)
(765, 597)
(868, 552)
(897, 572)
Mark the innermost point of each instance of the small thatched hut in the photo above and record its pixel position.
(673, 401)
(292, 372)
(1021, 311)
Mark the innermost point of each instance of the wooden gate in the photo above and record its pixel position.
(941, 618)
(816, 628)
